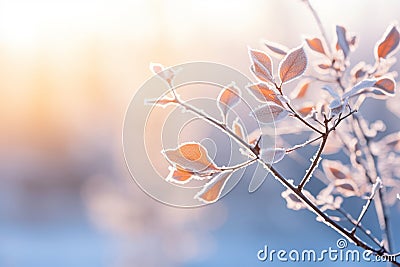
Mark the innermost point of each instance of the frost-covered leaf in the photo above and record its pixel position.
(191, 157)
(293, 202)
(180, 176)
(261, 65)
(270, 113)
(388, 43)
(383, 85)
(331, 91)
(278, 49)
(324, 66)
(347, 187)
(306, 109)
(359, 71)
(272, 155)
(316, 45)
(237, 128)
(368, 83)
(335, 170)
(386, 86)
(264, 93)
(343, 44)
(211, 192)
(337, 106)
(301, 89)
(167, 74)
(293, 65)
(228, 98)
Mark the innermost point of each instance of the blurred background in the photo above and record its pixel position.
(68, 70)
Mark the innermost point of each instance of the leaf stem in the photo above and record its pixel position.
(319, 23)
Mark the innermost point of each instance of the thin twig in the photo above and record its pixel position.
(313, 207)
(319, 23)
(299, 117)
(372, 175)
(289, 150)
(238, 166)
(360, 226)
(375, 187)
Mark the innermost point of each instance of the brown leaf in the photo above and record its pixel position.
(180, 176)
(306, 109)
(270, 113)
(316, 45)
(264, 93)
(212, 190)
(278, 49)
(228, 98)
(324, 66)
(261, 65)
(301, 89)
(293, 65)
(191, 157)
(358, 71)
(347, 188)
(342, 42)
(167, 74)
(353, 41)
(388, 43)
(386, 86)
(335, 170)
(237, 128)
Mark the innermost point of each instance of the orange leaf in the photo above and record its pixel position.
(305, 110)
(178, 175)
(316, 45)
(261, 65)
(386, 86)
(293, 65)
(301, 89)
(228, 98)
(358, 71)
(191, 157)
(264, 93)
(388, 43)
(167, 74)
(237, 128)
(212, 190)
